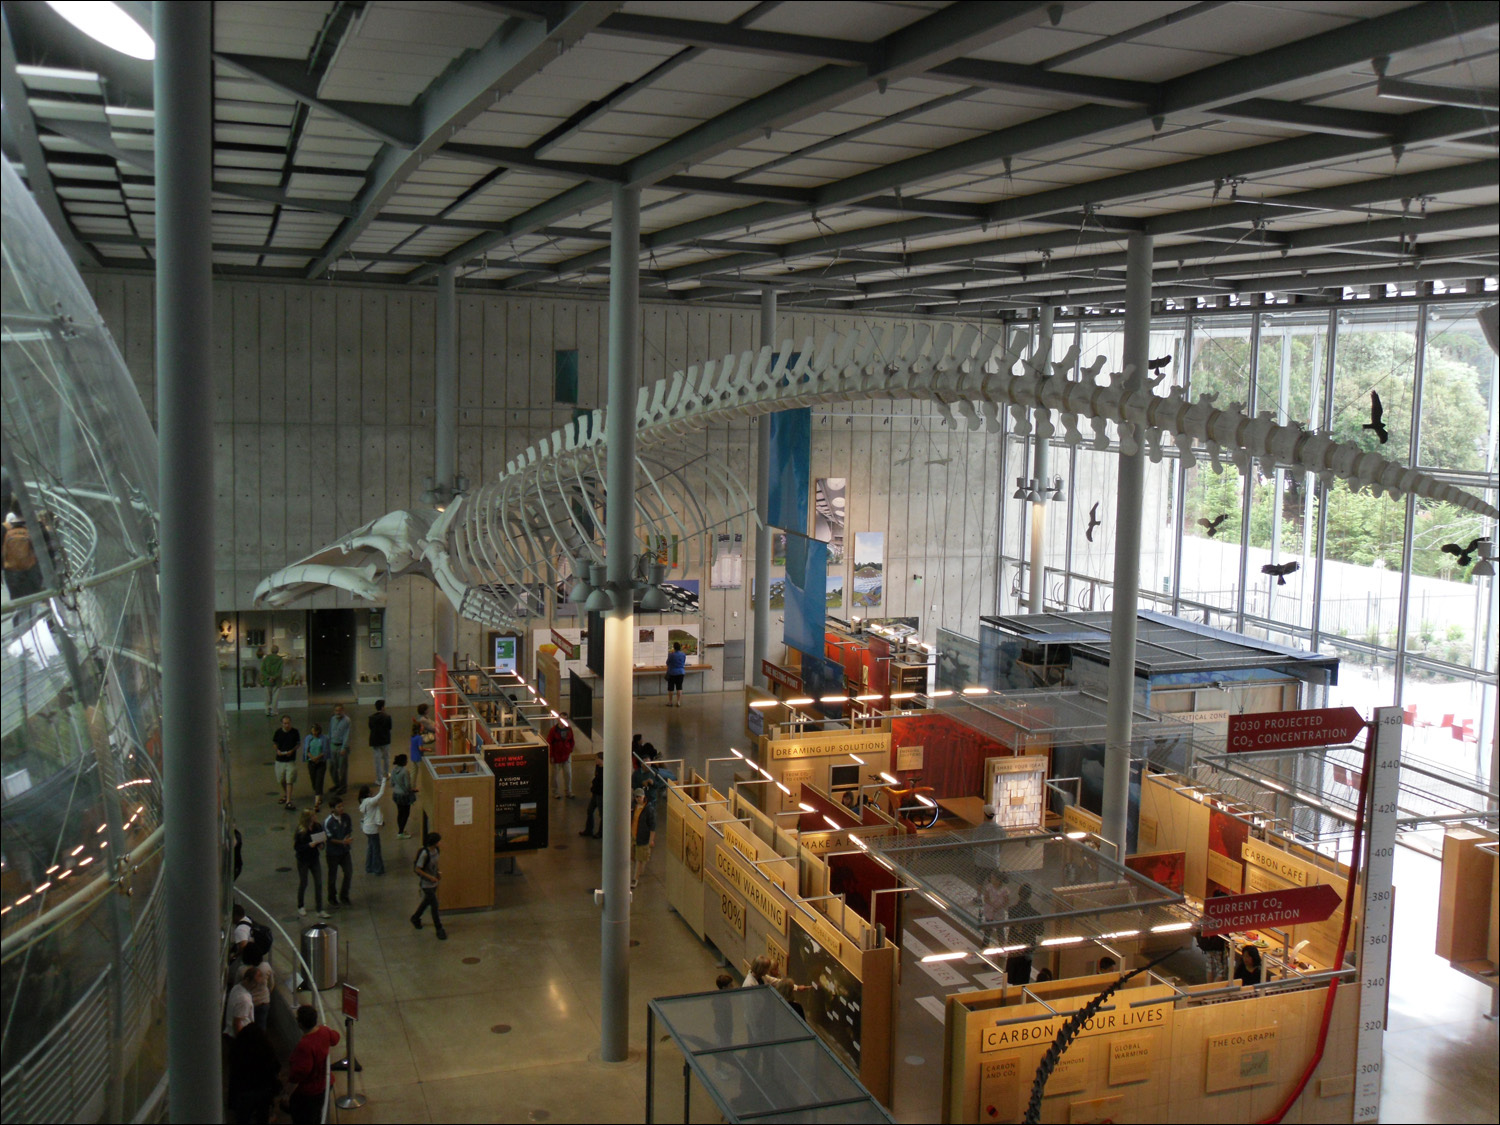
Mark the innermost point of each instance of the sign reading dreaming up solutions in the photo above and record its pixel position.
(1292, 730)
(830, 744)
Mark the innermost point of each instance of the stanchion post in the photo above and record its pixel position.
(350, 1100)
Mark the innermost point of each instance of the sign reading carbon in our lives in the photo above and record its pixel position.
(1291, 730)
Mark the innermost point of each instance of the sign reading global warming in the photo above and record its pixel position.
(1291, 730)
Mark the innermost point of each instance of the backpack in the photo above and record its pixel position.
(261, 938)
(19, 554)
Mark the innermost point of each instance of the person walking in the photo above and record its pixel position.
(1022, 932)
(403, 793)
(307, 1069)
(676, 673)
(286, 740)
(560, 750)
(371, 821)
(428, 877)
(380, 740)
(339, 828)
(596, 800)
(306, 841)
(272, 668)
(338, 748)
(315, 754)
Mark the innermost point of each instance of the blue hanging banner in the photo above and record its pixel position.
(806, 602)
(791, 469)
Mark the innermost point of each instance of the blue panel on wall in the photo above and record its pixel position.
(806, 594)
(791, 469)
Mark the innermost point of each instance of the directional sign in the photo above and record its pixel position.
(1289, 730)
(1292, 907)
(351, 1002)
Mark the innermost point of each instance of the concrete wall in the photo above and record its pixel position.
(324, 422)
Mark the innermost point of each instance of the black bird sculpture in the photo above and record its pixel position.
(1094, 521)
(1465, 554)
(1280, 570)
(1377, 412)
(1213, 524)
(1158, 363)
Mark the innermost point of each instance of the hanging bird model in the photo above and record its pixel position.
(1377, 412)
(1280, 571)
(1465, 555)
(1213, 524)
(1158, 363)
(1094, 521)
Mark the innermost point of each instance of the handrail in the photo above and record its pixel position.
(307, 975)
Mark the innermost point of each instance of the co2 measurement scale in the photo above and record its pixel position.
(1375, 942)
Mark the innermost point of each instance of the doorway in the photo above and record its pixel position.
(330, 656)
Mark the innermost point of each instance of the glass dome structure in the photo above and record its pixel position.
(82, 1034)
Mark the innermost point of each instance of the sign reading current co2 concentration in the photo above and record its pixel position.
(1292, 730)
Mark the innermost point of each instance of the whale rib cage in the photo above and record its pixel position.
(546, 509)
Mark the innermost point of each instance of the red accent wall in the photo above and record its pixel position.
(953, 752)
(858, 876)
(825, 806)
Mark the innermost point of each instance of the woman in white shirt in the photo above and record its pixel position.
(371, 820)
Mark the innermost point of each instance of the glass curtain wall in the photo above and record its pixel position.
(1387, 584)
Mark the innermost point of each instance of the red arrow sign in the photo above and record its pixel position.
(1289, 730)
(1292, 907)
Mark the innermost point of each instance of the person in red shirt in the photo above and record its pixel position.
(559, 751)
(307, 1069)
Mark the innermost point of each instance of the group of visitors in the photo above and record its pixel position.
(326, 755)
(253, 1070)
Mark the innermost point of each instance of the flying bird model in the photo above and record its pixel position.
(1465, 555)
(1377, 412)
(1213, 524)
(1280, 571)
(1094, 521)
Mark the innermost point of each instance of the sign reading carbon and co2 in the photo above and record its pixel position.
(1292, 730)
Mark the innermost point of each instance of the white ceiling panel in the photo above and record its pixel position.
(856, 22)
(52, 80)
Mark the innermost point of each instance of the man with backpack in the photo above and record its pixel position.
(23, 573)
(428, 877)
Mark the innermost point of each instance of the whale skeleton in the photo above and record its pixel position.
(542, 518)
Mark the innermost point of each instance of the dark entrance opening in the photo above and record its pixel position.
(330, 656)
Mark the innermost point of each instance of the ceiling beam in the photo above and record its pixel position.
(745, 40)
(21, 140)
(1324, 119)
(1222, 83)
(945, 34)
(513, 54)
(394, 124)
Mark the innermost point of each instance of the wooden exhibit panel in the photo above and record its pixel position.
(686, 825)
(1466, 899)
(1147, 1056)
(1181, 824)
(457, 799)
(804, 759)
(1270, 867)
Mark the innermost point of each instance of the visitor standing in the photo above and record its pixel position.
(642, 834)
(676, 673)
(339, 828)
(428, 877)
(306, 841)
(1018, 965)
(371, 821)
(380, 740)
(425, 725)
(560, 751)
(315, 754)
(254, 1076)
(272, 669)
(403, 793)
(596, 800)
(260, 980)
(239, 1009)
(287, 740)
(338, 748)
(307, 1069)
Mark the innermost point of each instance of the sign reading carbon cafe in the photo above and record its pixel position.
(1292, 730)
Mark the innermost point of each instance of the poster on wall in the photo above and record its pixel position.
(837, 996)
(1169, 869)
(830, 504)
(1226, 841)
(506, 653)
(682, 595)
(869, 569)
(835, 588)
(778, 591)
(653, 642)
(728, 570)
(806, 597)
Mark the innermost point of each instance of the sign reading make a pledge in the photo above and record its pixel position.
(1291, 730)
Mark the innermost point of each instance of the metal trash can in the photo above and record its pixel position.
(320, 949)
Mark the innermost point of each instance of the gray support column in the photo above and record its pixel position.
(1129, 502)
(1040, 470)
(762, 622)
(445, 438)
(190, 692)
(619, 622)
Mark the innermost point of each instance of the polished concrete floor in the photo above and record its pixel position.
(502, 1021)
